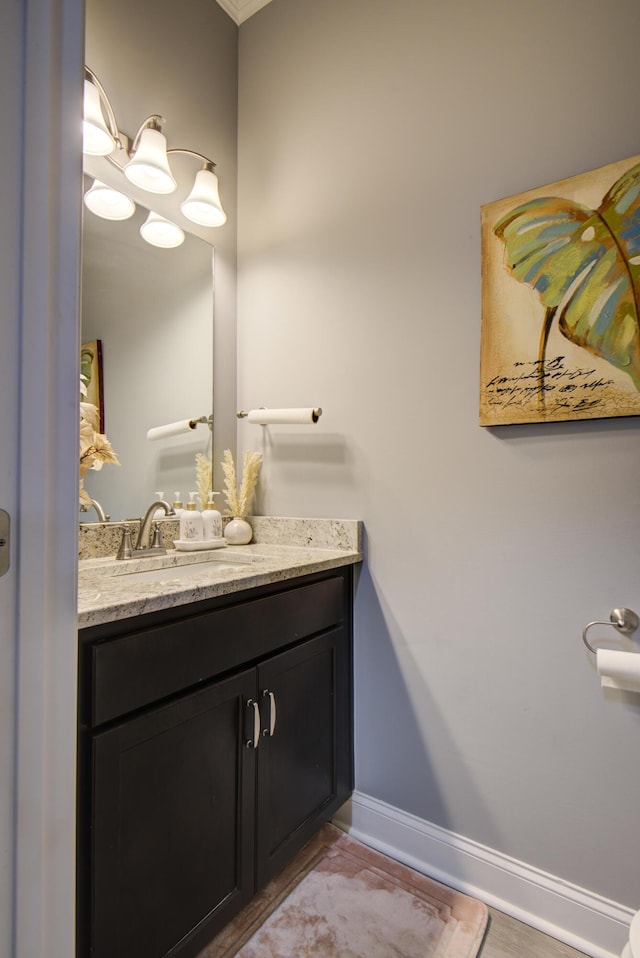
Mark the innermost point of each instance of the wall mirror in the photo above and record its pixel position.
(152, 309)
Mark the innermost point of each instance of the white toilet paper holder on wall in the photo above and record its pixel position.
(624, 620)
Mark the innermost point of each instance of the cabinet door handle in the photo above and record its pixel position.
(255, 741)
(272, 712)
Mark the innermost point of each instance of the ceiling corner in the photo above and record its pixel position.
(241, 10)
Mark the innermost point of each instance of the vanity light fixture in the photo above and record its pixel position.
(202, 205)
(108, 203)
(161, 232)
(148, 167)
(144, 160)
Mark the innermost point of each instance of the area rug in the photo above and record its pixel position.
(341, 899)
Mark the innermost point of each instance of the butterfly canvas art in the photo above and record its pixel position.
(561, 300)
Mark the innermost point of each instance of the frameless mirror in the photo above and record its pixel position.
(152, 310)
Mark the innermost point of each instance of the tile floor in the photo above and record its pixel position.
(508, 938)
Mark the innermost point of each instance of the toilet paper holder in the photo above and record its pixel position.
(624, 620)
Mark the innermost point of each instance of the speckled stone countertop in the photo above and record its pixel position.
(282, 548)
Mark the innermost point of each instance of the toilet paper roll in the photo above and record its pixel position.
(619, 670)
(171, 429)
(266, 417)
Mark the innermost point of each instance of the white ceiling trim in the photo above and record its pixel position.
(241, 10)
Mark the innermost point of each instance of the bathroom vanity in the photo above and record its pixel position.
(215, 738)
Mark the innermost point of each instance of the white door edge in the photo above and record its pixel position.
(46, 524)
(10, 119)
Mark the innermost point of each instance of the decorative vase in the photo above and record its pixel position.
(238, 532)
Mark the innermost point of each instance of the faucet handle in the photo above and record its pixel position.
(157, 542)
(126, 546)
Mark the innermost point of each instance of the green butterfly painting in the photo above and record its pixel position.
(583, 267)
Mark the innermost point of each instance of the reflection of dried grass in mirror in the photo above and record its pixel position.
(239, 502)
(95, 448)
(230, 491)
(204, 471)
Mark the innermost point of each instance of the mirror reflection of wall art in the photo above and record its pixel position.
(561, 300)
(91, 372)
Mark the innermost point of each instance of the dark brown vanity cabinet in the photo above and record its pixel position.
(214, 741)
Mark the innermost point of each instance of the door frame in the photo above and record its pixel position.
(11, 45)
(46, 522)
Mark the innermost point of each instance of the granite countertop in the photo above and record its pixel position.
(109, 590)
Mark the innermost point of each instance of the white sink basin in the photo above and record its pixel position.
(167, 568)
(179, 572)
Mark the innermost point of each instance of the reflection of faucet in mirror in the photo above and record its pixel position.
(142, 545)
(99, 510)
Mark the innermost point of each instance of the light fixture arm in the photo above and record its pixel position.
(207, 163)
(112, 123)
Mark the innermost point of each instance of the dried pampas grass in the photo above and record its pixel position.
(204, 482)
(239, 501)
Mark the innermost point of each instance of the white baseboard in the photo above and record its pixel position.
(578, 917)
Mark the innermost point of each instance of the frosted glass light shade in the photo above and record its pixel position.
(96, 138)
(108, 203)
(149, 168)
(161, 232)
(203, 204)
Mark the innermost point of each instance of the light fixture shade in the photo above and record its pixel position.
(108, 203)
(203, 204)
(96, 138)
(161, 232)
(149, 168)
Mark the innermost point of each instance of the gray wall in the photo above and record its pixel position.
(370, 133)
(181, 61)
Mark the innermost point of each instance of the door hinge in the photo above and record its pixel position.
(5, 528)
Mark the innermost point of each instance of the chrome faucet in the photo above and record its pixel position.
(142, 544)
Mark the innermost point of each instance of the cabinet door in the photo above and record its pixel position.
(173, 824)
(304, 767)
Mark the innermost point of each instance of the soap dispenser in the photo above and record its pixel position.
(211, 520)
(177, 504)
(191, 521)
(159, 513)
